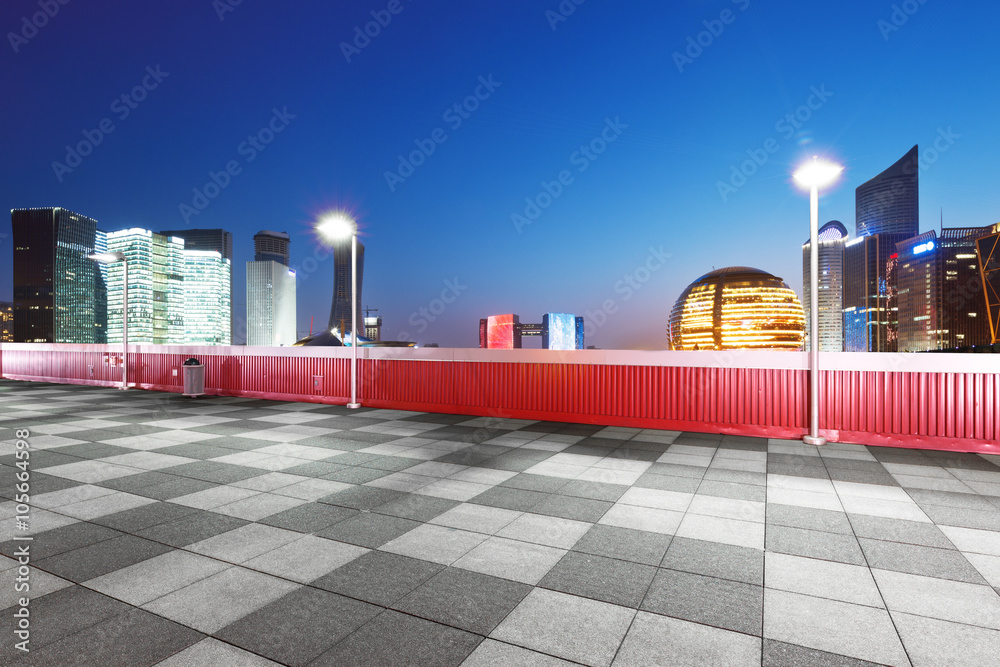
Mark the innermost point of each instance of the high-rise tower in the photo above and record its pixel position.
(832, 237)
(214, 240)
(271, 246)
(889, 203)
(340, 312)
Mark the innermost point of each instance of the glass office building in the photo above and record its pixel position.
(831, 240)
(340, 310)
(155, 287)
(54, 281)
(871, 318)
(889, 203)
(6, 322)
(217, 240)
(988, 251)
(738, 307)
(270, 304)
(271, 246)
(207, 290)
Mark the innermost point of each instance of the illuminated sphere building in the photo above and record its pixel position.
(737, 308)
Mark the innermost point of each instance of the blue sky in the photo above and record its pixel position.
(619, 121)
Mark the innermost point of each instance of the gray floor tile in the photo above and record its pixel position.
(567, 507)
(417, 507)
(145, 581)
(780, 654)
(814, 544)
(134, 520)
(722, 603)
(676, 470)
(808, 518)
(191, 528)
(943, 599)
(218, 654)
(355, 475)
(491, 653)
(299, 627)
(463, 599)
(964, 517)
(368, 530)
(749, 492)
(606, 579)
(593, 490)
(637, 546)
(309, 518)
(914, 559)
(567, 626)
(541, 483)
(714, 559)
(378, 577)
(899, 530)
(362, 497)
(668, 483)
(398, 639)
(213, 471)
(932, 642)
(520, 500)
(60, 540)
(94, 560)
(62, 614)
(661, 640)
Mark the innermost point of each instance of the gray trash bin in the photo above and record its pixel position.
(194, 378)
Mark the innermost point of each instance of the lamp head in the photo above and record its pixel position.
(336, 227)
(817, 173)
(105, 257)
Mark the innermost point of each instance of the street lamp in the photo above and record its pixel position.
(105, 258)
(337, 227)
(813, 175)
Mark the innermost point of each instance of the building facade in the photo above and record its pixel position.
(215, 240)
(271, 312)
(340, 310)
(940, 291)
(988, 251)
(271, 246)
(889, 203)
(830, 282)
(6, 322)
(54, 281)
(155, 287)
(207, 305)
(871, 318)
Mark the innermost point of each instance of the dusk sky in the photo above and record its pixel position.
(608, 116)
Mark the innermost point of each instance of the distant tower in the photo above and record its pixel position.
(889, 203)
(217, 240)
(271, 246)
(832, 237)
(270, 304)
(341, 308)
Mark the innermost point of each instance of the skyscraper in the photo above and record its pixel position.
(271, 246)
(217, 240)
(940, 291)
(54, 282)
(155, 287)
(270, 304)
(6, 322)
(870, 309)
(832, 237)
(340, 312)
(988, 250)
(207, 292)
(889, 203)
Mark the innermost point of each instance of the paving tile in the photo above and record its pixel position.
(41, 584)
(609, 580)
(567, 507)
(567, 626)
(899, 530)
(932, 642)
(435, 543)
(511, 559)
(393, 639)
(476, 518)
(491, 653)
(853, 630)
(64, 613)
(722, 603)
(914, 559)
(636, 546)
(213, 603)
(305, 559)
(211, 651)
(309, 517)
(378, 577)
(191, 528)
(661, 640)
(368, 529)
(418, 508)
(727, 508)
(259, 506)
(668, 483)
(750, 492)
(988, 566)
(780, 654)
(145, 581)
(727, 531)
(822, 578)
(244, 543)
(361, 497)
(974, 540)
(94, 560)
(946, 600)
(215, 497)
(542, 483)
(65, 538)
(808, 518)
(299, 627)
(642, 518)
(714, 559)
(815, 544)
(464, 599)
(520, 500)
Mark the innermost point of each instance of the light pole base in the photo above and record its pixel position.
(810, 440)
(353, 406)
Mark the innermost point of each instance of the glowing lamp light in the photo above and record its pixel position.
(817, 173)
(107, 256)
(336, 227)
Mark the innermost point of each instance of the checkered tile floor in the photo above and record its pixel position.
(229, 531)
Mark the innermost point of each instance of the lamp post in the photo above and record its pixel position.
(337, 227)
(813, 175)
(105, 258)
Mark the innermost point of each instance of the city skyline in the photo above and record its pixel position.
(563, 170)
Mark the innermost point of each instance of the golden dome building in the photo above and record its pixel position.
(736, 308)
